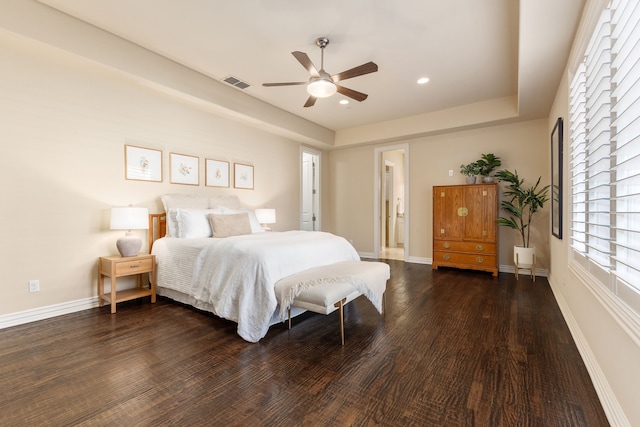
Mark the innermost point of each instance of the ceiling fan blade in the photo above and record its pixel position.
(303, 58)
(284, 84)
(310, 102)
(369, 67)
(353, 94)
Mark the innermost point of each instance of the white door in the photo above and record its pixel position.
(390, 217)
(309, 219)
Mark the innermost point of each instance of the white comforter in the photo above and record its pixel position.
(236, 275)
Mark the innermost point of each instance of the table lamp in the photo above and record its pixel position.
(129, 218)
(265, 217)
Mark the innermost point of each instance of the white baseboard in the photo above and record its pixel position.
(367, 255)
(610, 404)
(540, 272)
(47, 312)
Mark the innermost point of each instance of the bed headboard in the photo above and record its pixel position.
(157, 227)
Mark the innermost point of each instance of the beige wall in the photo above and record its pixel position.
(64, 122)
(523, 146)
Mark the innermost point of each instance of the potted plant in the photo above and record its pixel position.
(487, 164)
(470, 171)
(521, 204)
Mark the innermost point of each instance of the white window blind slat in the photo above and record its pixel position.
(604, 153)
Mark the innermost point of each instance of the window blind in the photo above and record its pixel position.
(604, 138)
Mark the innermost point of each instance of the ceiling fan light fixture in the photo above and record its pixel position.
(321, 87)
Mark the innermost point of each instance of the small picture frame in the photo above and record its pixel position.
(243, 176)
(142, 164)
(184, 169)
(216, 173)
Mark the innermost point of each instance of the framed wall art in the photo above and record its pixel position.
(243, 176)
(556, 179)
(184, 169)
(216, 173)
(142, 164)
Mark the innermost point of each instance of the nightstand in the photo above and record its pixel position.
(117, 266)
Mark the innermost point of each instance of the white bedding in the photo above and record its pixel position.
(234, 277)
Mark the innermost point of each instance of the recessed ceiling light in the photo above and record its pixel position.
(423, 80)
(344, 101)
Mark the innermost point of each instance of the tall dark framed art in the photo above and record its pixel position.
(556, 178)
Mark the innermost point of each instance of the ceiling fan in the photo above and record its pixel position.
(321, 84)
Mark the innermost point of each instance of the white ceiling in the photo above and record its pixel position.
(472, 50)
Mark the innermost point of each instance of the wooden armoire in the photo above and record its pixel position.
(465, 233)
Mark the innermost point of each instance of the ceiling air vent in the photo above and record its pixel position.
(233, 81)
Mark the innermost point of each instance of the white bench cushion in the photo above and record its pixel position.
(322, 298)
(318, 289)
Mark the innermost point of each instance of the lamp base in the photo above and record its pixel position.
(129, 245)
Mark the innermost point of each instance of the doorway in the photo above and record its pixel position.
(310, 189)
(391, 200)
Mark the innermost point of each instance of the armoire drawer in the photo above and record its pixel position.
(462, 258)
(472, 247)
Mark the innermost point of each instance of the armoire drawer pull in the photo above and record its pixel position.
(446, 257)
(479, 260)
(479, 248)
(446, 245)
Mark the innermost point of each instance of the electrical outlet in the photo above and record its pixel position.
(34, 286)
(450, 172)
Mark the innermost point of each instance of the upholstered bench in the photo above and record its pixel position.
(329, 288)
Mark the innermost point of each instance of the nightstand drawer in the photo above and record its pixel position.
(131, 267)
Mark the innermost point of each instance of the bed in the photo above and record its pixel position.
(212, 254)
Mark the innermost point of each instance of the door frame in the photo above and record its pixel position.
(318, 178)
(378, 169)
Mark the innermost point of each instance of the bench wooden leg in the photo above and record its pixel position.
(340, 305)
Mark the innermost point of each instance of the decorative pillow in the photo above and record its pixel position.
(229, 224)
(253, 220)
(193, 223)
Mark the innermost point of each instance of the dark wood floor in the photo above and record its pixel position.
(455, 348)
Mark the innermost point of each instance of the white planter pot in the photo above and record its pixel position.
(471, 180)
(524, 257)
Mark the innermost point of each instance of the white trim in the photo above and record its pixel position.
(376, 197)
(610, 405)
(41, 313)
(590, 15)
(419, 260)
(626, 318)
(367, 255)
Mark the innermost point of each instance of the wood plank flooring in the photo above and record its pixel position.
(455, 348)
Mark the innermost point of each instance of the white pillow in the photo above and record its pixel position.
(172, 223)
(253, 220)
(193, 223)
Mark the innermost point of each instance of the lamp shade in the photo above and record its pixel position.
(321, 87)
(129, 218)
(266, 216)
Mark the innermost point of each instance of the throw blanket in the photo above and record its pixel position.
(236, 275)
(370, 279)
